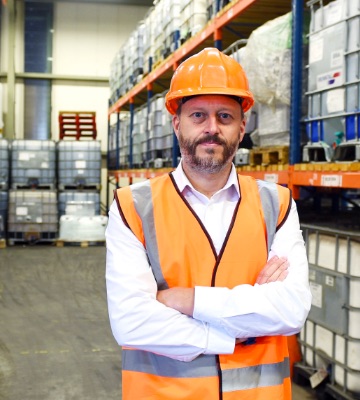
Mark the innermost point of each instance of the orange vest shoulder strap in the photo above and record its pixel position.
(125, 202)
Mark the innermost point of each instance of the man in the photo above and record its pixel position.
(201, 290)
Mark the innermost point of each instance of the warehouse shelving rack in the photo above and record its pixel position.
(236, 21)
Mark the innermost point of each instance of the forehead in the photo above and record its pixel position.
(212, 101)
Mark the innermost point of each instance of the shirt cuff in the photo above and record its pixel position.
(208, 303)
(219, 341)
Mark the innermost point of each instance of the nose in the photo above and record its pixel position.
(212, 125)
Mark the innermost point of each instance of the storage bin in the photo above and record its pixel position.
(4, 197)
(32, 215)
(79, 164)
(72, 198)
(33, 164)
(76, 229)
(331, 335)
(4, 164)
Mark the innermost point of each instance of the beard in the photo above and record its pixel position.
(210, 163)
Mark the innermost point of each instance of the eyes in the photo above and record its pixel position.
(222, 117)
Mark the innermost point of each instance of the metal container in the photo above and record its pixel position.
(73, 228)
(33, 164)
(69, 201)
(331, 336)
(32, 216)
(4, 164)
(79, 164)
(4, 197)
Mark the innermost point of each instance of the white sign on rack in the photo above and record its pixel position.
(331, 180)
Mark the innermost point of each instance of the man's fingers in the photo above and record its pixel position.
(273, 270)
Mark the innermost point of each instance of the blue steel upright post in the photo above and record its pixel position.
(149, 97)
(117, 150)
(296, 81)
(132, 111)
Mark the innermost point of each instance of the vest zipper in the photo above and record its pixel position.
(220, 377)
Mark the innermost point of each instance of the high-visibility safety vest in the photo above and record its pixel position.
(181, 253)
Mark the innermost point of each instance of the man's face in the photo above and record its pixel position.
(209, 129)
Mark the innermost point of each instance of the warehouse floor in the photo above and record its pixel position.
(55, 338)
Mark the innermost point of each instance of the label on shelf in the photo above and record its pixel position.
(331, 180)
(273, 178)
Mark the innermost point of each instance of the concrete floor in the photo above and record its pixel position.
(55, 338)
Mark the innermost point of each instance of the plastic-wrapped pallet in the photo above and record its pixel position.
(172, 22)
(4, 164)
(193, 18)
(149, 37)
(274, 125)
(159, 32)
(266, 58)
(267, 61)
(77, 229)
(71, 202)
(138, 135)
(79, 164)
(124, 141)
(32, 215)
(33, 163)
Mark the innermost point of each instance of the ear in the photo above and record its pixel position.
(176, 124)
(242, 129)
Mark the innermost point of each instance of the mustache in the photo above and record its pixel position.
(210, 139)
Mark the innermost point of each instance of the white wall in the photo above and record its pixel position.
(86, 39)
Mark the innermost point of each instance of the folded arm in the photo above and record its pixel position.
(273, 306)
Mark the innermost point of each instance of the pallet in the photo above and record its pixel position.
(269, 155)
(77, 124)
(80, 243)
(265, 168)
(21, 186)
(90, 187)
(325, 390)
(333, 167)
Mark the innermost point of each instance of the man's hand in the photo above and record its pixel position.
(181, 299)
(275, 270)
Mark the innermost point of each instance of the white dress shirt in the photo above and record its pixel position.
(220, 315)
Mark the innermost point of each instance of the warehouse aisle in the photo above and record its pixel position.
(55, 338)
(56, 343)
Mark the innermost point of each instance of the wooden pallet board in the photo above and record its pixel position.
(332, 167)
(79, 243)
(273, 155)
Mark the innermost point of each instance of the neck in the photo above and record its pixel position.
(207, 183)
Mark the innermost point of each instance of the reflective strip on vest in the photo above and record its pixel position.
(154, 364)
(144, 207)
(270, 203)
(205, 366)
(255, 377)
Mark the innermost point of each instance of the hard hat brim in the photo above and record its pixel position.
(173, 99)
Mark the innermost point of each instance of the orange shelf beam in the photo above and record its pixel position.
(280, 177)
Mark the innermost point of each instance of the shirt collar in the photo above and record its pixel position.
(183, 182)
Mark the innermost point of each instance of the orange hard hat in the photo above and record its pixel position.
(209, 72)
